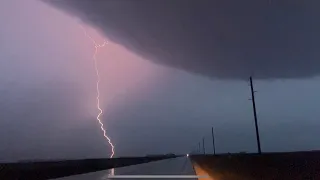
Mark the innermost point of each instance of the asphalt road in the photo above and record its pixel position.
(176, 166)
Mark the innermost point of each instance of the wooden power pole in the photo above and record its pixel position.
(213, 144)
(204, 150)
(255, 115)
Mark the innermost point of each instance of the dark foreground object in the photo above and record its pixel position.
(57, 169)
(267, 166)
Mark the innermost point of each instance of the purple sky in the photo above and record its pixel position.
(47, 104)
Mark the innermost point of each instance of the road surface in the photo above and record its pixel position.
(176, 166)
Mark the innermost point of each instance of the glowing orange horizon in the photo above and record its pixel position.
(97, 46)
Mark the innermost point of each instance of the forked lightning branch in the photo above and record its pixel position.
(96, 49)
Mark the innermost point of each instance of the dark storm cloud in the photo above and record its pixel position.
(215, 38)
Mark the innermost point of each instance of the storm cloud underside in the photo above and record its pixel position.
(216, 38)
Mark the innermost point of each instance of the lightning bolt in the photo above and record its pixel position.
(96, 48)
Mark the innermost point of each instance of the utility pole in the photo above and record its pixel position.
(204, 150)
(255, 115)
(213, 145)
(199, 148)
